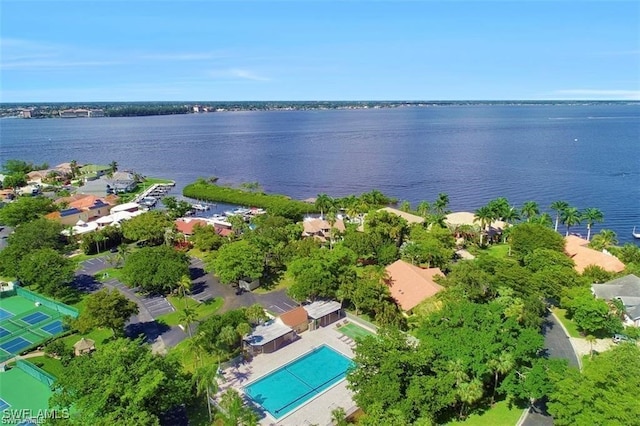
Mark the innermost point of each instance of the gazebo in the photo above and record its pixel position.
(84, 346)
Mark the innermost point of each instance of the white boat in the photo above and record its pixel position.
(635, 234)
(200, 207)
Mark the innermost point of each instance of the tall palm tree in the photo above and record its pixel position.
(544, 219)
(558, 207)
(184, 287)
(323, 203)
(591, 340)
(570, 217)
(604, 239)
(441, 203)
(206, 381)
(405, 206)
(73, 165)
(123, 252)
(233, 411)
(98, 238)
(469, 392)
(592, 215)
(113, 166)
(188, 316)
(530, 209)
(424, 208)
(485, 216)
(500, 365)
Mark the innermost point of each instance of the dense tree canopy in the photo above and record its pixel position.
(527, 237)
(106, 308)
(31, 236)
(122, 383)
(47, 271)
(155, 269)
(605, 393)
(149, 227)
(25, 209)
(238, 260)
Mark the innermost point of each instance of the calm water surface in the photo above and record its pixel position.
(588, 155)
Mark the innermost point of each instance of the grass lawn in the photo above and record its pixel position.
(571, 326)
(81, 257)
(203, 310)
(198, 253)
(109, 273)
(50, 365)
(498, 415)
(187, 356)
(99, 335)
(284, 282)
(500, 251)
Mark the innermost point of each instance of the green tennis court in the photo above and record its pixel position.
(22, 391)
(354, 331)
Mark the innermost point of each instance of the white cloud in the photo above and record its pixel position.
(595, 94)
(238, 73)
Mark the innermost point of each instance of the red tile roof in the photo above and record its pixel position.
(584, 256)
(186, 226)
(410, 284)
(294, 317)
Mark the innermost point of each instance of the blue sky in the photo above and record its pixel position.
(318, 50)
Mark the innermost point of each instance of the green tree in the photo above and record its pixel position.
(29, 237)
(530, 209)
(591, 315)
(184, 287)
(324, 203)
(484, 215)
(500, 365)
(25, 209)
(569, 217)
(107, 308)
(155, 269)
(604, 239)
(441, 204)
(605, 393)
(149, 227)
(591, 215)
(113, 167)
(234, 412)
(205, 238)
(238, 260)
(14, 181)
(176, 208)
(256, 314)
(558, 207)
(206, 383)
(122, 383)
(188, 316)
(527, 237)
(48, 271)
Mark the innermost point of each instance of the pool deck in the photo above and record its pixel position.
(316, 411)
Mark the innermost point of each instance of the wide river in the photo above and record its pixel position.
(587, 155)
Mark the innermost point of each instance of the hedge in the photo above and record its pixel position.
(274, 203)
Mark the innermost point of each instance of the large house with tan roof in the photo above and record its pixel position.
(583, 256)
(320, 229)
(409, 284)
(81, 208)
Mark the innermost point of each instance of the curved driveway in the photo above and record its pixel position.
(557, 345)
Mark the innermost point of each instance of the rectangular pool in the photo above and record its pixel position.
(292, 385)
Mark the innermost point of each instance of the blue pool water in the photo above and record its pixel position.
(290, 386)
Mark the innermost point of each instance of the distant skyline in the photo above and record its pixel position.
(83, 51)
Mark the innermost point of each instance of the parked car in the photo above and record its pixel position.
(622, 338)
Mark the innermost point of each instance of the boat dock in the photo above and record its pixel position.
(155, 191)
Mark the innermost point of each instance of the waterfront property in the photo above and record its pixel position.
(583, 256)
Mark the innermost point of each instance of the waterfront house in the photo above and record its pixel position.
(409, 284)
(321, 313)
(86, 209)
(121, 182)
(410, 218)
(625, 289)
(186, 225)
(583, 256)
(320, 229)
(93, 171)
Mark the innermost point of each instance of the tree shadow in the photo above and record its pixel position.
(86, 283)
(196, 272)
(150, 331)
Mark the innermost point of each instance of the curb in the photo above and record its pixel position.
(523, 417)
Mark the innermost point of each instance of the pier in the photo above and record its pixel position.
(157, 190)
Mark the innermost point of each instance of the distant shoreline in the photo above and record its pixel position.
(37, 110)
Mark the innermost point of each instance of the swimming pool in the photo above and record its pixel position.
(292, 385)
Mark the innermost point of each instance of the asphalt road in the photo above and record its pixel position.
(557, 345)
